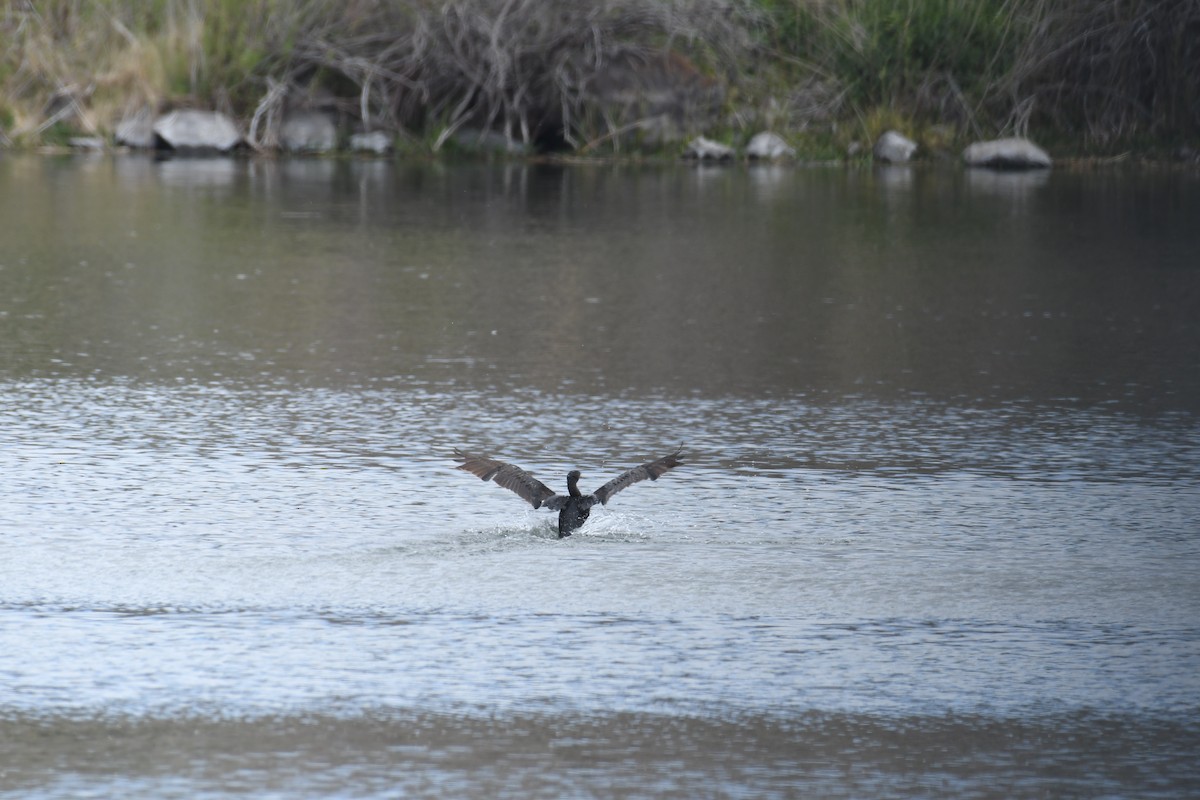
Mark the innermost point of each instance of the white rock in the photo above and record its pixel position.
(372, 142)
(707, 150)
(1006, 154)
(894, 148)
(770, 146)
(189, 129)
(86, 142)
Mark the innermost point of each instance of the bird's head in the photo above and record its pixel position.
(573, 476)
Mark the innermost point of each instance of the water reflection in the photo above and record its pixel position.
(896, 177)
(198, 173)
(1006, 183)
(357, 272)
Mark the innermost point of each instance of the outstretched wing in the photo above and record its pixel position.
(508, 476)
(651, 471)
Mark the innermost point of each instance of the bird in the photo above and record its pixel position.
(573, 507)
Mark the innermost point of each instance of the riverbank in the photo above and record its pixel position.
(1088, 79)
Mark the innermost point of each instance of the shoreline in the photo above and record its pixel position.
(623, 80)
(1130, 159)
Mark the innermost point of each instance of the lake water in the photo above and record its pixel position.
(937, 532)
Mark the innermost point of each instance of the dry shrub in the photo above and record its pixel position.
(526, 68)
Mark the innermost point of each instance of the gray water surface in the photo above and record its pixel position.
(937, 531)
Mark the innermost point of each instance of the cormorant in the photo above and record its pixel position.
(573, 507)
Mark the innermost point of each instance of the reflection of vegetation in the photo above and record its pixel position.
(1113, 70)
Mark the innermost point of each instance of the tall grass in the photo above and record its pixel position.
(923, 62)
(1109, 70)
(79, 64)
(1113, 70)
(925, 54)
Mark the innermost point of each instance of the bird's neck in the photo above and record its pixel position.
(573, 487)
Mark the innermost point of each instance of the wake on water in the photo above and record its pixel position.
(533, 528)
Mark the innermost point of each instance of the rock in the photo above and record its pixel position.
(189, 129)
(136, 130)
(703, 149)
(769, 146)
(893, 148)
(86, 142)
(1006, 154)
(474, 140)
(308, 132)
(376, 142)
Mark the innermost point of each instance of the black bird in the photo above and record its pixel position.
(573, 507)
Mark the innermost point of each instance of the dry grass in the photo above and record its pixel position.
(77, 66)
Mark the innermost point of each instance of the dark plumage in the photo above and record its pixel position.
(573, 507)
